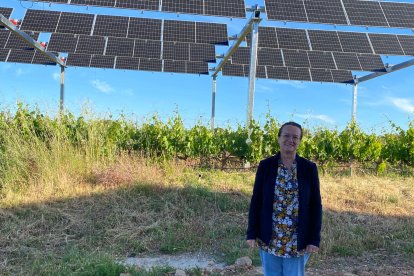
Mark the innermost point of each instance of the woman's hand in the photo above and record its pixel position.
(312, 249)
(251, 243)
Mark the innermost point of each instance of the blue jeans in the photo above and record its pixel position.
(278, 266)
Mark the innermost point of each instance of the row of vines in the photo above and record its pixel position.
(171, 139)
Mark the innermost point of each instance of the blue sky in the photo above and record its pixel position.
(140, 94)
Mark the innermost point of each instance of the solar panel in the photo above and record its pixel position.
(267, 38)
(138, 5)
(347, 61)
(202, 52)
(321, 75)
(355, 42)
(241, 56)
(183, 6)
(6, 12)
(290, 10)
(90, 45)
(197, 68)
(292, 39)
(371, 62)
(407, 43)
(81, 60)
(15, 42)
(365, 13)
(127, 63)
(174, 66)
(147, 49)
(342, 76)
(387, 44)
(324, 40)
(21, 56)
(98, 61)
(176, 51)
(228, 8)
(211, 33)
(118, 46)
(40, 58)
(325, 11)
(269, 56)
(3, 54)
(108, 25)
(235, 70)
(279, 73)
(40, 21)
(260, 71)
(296, 58)
(323, 60)
(182, 31)
(75, 23)
(300, 74)
(99, 3)
(144, 28)
(52, 1)
(65, 43)
(147, 64)
(4, 36)
(399, 14)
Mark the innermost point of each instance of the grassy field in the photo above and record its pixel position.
(68, 218)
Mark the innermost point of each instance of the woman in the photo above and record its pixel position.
(285, 213)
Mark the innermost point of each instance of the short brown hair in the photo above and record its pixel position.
(291, 124)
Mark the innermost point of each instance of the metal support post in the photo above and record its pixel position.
(252, 78)
(213, 102)
(62, 89)
(354, 102)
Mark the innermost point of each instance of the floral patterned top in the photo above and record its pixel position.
(285, 214)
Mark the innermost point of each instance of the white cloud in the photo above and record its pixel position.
(56, 76)
(295, 84)
(263, 88)
(102, 86)
(320, 117)
(20, 72)
(403, 104)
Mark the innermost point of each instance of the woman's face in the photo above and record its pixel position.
(289, 139)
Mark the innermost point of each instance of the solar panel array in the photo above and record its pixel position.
(226, 8)
(343, 12)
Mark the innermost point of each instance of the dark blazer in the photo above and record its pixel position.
(310, 207)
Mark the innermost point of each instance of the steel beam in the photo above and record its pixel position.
(213, 102)
(388, 70)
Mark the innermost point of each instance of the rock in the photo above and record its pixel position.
(180, 272)
(243, 261)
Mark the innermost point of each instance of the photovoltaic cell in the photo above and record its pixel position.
(347, 61)
(300, 74)
(15, 42)
(75, 23)
(144, 28)
(81, 60)
(211, 33)
(40, 58)
(147, 49)
(4, 36)
(21, 56)
(138, 5)
(296, 58)
(98, 61)
(174, 66)
(147, 64)
(176, 51)
(200, 68)
(90, 45)
(233, 70)
(325, 11)
(228, 8)
(355, 42)
(118, 46)
(6, 12)
(371, 62)
(321, 60)
(407, 43)
(286, 10)
(241, 56)
(278, 73)
(3, 54)
(182, 31)
(260, 71)
(267, 38)
(321, 75)
(63, 43)
(269, 56)
(183, 6)
(365, 13)
(202, 52)
(399, 14)
(127, 63)
(292, 39)
(324, 40)
(108, 25)
(386, 44)
(342, 76)
(99, 3)
(40, 21)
